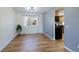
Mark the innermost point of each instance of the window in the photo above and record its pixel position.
(31, 20)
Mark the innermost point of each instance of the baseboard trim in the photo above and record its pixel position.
(7, 43)
(68, 49)
(49, 36)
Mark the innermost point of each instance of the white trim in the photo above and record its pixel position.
(7, 43)
(30, 33)
(68, 49)
(49, 36)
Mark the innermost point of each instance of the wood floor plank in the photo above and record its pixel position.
(34, 43)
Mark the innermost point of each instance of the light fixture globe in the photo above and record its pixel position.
(31, 9)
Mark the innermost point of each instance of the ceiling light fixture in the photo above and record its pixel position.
(31, 9)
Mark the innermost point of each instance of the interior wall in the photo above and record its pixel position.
(7, 26)
(49, 23)
(71, 38)
(21, 21)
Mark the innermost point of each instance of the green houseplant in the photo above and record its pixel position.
(19, 29)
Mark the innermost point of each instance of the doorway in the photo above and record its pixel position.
(59, 23)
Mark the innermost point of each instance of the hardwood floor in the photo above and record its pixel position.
(65, 50)
(34, 43)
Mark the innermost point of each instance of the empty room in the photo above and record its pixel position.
(32, 29)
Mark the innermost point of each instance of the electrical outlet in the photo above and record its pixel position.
(78, 45)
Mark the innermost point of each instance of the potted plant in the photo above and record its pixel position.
(19, 29)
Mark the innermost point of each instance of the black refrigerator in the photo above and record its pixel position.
(58, 32)
(58, 29)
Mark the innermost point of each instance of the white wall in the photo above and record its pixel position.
(49, 24)
(71, 28)
(7, 26)
(39, 27)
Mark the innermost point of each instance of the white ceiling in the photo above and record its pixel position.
(23, 10)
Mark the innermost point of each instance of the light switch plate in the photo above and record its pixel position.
(67, 26)
(78, 45)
